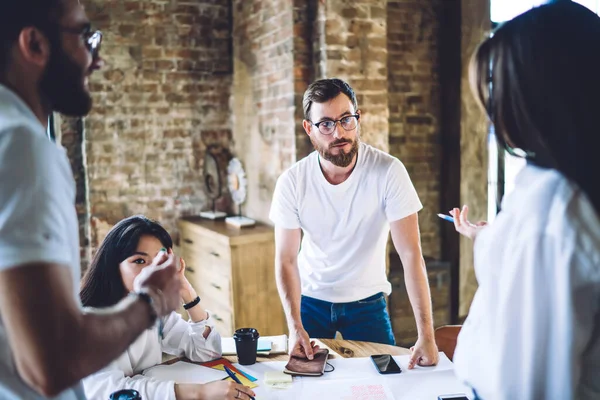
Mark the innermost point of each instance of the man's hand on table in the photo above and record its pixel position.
(301, 345)
(424, 353)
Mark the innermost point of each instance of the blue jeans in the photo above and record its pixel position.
(365, 320)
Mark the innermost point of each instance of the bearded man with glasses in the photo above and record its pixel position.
(345, 198)
(47, 342)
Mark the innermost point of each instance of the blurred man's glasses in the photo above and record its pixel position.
(326, 127)
(125, 394)
(92, 39)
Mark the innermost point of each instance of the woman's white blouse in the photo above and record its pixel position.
(533, 330)
(181, 338)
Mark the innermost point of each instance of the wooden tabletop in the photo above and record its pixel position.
(337, 348)
(354, 348)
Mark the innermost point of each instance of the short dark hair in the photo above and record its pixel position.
(538, 78)
(19, 14)
(102, 285)
(324, 90)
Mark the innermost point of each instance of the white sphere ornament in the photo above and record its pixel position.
(236, 181)
(237, 184)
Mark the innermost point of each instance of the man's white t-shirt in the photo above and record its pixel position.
(533, 330)
(38, 222)
(346, 226)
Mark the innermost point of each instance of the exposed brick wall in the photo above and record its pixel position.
(473, 144)
(352, 45)
(305, 13)
(414, 124)
(414, 104)
(71, 135)
(162, 97)
(263, 96)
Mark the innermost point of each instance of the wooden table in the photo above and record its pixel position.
(341, 348)
(442, 382)
(354, 348)
(337, 348)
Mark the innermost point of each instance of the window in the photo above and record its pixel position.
(50, 131)
(503, 10)
(502, 167)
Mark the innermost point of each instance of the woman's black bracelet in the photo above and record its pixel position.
(192, 303)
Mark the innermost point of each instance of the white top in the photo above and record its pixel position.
(38, 221)
(533, 331)
(181, 338)
(345, 226)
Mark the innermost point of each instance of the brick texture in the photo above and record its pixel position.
(161, 99)
(414, 125)
(305, 12)
(263, 96)
(351, 44)
(413, 96)
(71, 135)
(473, 145)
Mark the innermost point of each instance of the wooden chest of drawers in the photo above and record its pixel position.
(233, 272)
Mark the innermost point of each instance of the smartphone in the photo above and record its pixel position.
(453, 397)
(385, 364)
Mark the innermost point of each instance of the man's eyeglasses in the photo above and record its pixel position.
(349, 122)
(92, 39)
(125, 394)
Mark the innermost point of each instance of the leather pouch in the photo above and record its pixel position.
(305, 367)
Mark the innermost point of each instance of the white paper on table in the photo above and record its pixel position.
(443, 364)
(347, 368)
(184, 372)
(266, 345)
(228, 346)
(279, 344)
(347, 389)
(420, 383)
(263, 391)
(427, 386)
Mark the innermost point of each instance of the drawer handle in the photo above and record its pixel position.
(215, 254)
(190, 241)
(215, 286)
(215, 316)
(190, 269)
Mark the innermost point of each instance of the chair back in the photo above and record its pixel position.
(445, 338)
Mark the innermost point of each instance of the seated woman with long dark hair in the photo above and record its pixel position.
(127, 249)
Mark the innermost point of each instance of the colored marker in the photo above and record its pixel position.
(446, 217)
(232, 375)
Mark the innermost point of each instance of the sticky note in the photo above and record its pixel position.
(278, 380)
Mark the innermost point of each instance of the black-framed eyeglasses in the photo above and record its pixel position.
(91, 38)
(348, 122)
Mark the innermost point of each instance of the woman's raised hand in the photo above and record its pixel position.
(463, 225)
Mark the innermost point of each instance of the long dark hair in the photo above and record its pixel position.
(102, 285)
(538, 77)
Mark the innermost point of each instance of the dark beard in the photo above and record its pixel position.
(341, 159)
(61, 85)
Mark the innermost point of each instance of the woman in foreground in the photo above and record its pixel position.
(533, 330)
